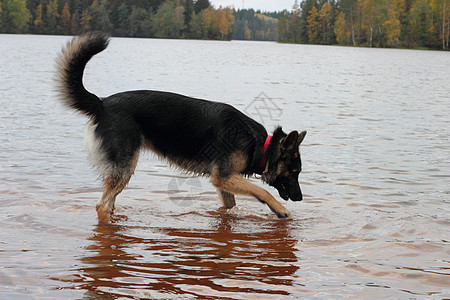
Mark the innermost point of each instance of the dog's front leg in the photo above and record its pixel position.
(226, 198)
(235, 184)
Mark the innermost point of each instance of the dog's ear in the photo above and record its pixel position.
(290, 141)
(300, 138)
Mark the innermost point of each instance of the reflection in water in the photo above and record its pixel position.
(187, 262)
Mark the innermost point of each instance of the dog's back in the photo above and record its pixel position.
(191, 133)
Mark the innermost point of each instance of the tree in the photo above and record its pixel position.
(440, 11)
(325, 20)
(298, 22)
(225, 20)
(247, 31)
(229, 13)
(312, 25)
(297, 25)
(140, 22)
(420, 22)
(122, 22)
(341, 29)
(38, 20)
(100, 18)
(283, 27)
(188, 12)
(348, 7)
(66, 18)
(196, 27)
(395, 9)
(85, 21)
(169, 20)
(1, 15)
(17, 15)
(201, 5)
(393, 31)
(74, 23)
(367, 25)
(209, 23)
(446, 31)
(52, 15)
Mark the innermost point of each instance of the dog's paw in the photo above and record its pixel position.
(283, 214)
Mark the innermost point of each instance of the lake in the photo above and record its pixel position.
(374, 222)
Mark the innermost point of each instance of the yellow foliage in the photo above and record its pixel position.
(340, 29)
(65, 15)
(393, 30)
(38, 20)
(312, 24)
(266, 18)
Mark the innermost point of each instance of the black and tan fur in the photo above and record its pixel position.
(202, 137)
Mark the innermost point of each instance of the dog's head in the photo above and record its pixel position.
(283, 164)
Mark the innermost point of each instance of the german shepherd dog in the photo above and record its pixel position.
(202, 137)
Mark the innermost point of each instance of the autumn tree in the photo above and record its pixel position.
(395, 9)
(341, 29)
(66, 18)
(85, 21)
(420, 22)
(326, 25)
(349, 8)
(209, 23)
(52, 14)
(367, 21)
(74, 23)
(312, 25)
(247, 31)
(38, 19)
(441, 12)
(225, 19)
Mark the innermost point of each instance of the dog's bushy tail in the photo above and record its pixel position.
(71, 64)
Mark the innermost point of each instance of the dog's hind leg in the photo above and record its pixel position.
(113, 148)
(114, 183)
(226, 198)
(235, 184)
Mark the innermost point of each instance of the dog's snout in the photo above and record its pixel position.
(298, 198)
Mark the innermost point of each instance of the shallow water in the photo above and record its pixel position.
(374, 221)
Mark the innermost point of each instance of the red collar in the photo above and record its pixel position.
(266, 144)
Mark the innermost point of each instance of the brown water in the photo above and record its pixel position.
(374, 222)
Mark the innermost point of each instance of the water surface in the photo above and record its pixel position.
(374, 221)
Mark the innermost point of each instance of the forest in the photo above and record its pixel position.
(370, 23)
